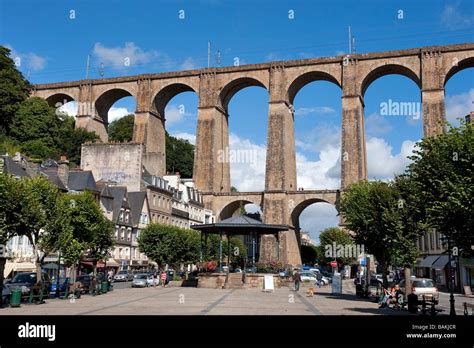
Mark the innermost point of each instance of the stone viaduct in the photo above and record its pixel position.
(429, 67)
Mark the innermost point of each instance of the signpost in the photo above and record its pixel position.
(333, 264)
(336, 284)
(268, 283)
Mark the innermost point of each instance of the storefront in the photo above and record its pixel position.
(423, 268)
(440, 271)
(467, 272)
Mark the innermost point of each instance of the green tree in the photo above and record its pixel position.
(122, 129)
(35, 120)
(372, 211)
(171, 245)
(309, 254)
(14, 89)
(332, 235)
(179, 156)
(70, 139)
(10, 205)
(442, 177)
(34, 204)
(92, 227)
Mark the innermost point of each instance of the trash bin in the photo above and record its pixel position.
(104, 287)
(15, 298)
(412, 300)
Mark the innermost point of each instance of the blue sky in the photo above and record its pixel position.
(53, 40)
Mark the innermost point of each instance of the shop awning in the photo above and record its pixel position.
(18, 267)
(441, 262)
(427, 261)
(112, 263)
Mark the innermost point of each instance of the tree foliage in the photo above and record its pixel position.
(327, 238)
(122, 129)
(167, 244)
(309, 254)
(14, 89)
(442, 177)
(375, 212)
(179, 156)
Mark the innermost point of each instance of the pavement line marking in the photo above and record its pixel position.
(308, 304)
(214, 304)
(126, 302)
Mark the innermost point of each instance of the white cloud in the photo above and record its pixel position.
(186, 136)
(381, 163)
(69, 108)
(117, 113)
(459, 105)
(377, 125)
(129, 55)
(248, 175)
(453, 18)
(174, 113)
(321, 174)
(314, 110)
(318, 138)
(189, 64)
(29, 60)
(317, 217)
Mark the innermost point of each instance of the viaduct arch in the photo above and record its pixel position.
(429, 67)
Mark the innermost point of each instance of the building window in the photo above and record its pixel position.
(121, 216)
(116, 232)
(438, 240)
(129, 235)
(120, 253)
(127, 216)
(122, 233)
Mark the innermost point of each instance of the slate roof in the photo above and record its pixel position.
(13, 168)
(54, 179)
(240, 225)
(82, 181)
(119, 193)
(135, 200)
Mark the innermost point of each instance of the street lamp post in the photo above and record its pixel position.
(451, 273)
(57, 280)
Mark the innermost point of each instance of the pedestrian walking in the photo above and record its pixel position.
(297, 280)
(319, 279)
(155, 279)
(163, 279)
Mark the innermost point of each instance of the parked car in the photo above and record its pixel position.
(123, 276)
(6, 295)
(422, 287)
(26, 280)
(308, 276)
(142, 280)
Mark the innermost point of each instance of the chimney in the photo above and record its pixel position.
(63, 170)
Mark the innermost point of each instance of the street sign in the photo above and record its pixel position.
(3, 250)
(333, 264)
(362, 262)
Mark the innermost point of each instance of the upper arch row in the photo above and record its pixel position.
(283, 83)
